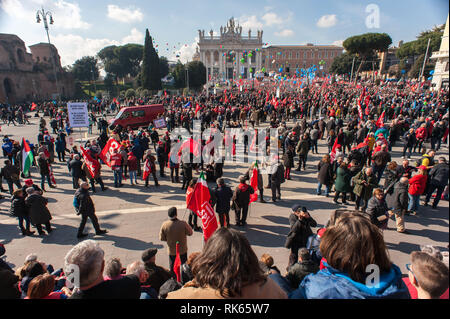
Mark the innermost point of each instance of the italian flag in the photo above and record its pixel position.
(27, 157)
(198, 202)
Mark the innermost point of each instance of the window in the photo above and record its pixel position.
(326, 54)
(290, 55)
(20, 56)
(297, 55)
(253, 58)
(138, 113)
(122, 115)
(331, 54)
(305, 55)
(319, 55)
(312, 55)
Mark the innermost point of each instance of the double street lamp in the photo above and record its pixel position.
(42, 15)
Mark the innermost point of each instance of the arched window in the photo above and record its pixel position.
(20, 56)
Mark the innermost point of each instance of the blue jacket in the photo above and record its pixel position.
(330, 283)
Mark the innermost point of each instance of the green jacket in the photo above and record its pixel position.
(364, 191)
(343, 179)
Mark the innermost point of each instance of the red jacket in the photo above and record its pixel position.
(116, 160)
(421, 133)
(417, 184)
(132, 163)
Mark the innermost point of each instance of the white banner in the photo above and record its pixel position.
(78, 114)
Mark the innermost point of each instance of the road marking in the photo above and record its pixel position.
(138, 210)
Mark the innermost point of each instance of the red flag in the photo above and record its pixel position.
(92, 164)
(360, 112)
(177, 264)
(199, 203)
(254, 184)
(107, 151)
(333, 150)
(33, 106)
(380, 121)
(197, 108)
(193, 146)
(147, 169)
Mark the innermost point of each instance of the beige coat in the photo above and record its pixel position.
(173, 231)
(267, 290)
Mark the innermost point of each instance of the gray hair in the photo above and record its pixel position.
(404, 180)
(30, 190)
(137, 268)
(113, 267)
(88, 257)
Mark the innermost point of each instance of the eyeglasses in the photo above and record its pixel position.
(408, 266)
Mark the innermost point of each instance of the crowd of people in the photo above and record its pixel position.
(360, 125)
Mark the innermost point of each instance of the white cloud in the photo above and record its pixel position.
(271, 18)
(66, 15)
(327, 21)
(185, 52)
(285, 33)
(72, 47)
(134, 37)
(250, 22)
(338, 43)
(129, 14)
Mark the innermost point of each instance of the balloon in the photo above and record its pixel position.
(431, 72)
(242, 60)
(263, 69)
(250, 55)
(280, 70)
(240, 76)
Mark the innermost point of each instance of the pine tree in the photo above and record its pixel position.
(150, 75)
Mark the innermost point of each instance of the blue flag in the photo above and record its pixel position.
(188, 104)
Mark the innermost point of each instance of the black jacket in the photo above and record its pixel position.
(75, 168)
(43, 166)
(241, 196)
(18, 207)
(86, 205)
(37, 206)
(438, 175)
(223, 196)
(128, 287)
(375, 209)
(300, 231)
(325, 173)
(300, 270)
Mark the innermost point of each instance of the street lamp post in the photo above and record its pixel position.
(42, 14)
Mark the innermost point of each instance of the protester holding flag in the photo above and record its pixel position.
(223, 195)
(241, 200)
(149, 168)
(254, 175)
(92, 168)
(173, 231)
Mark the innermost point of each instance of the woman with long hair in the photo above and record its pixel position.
(357, 265)
(228, 268)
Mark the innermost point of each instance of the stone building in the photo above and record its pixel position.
(441, 70)
(29, 76)
(292, 57)
(231, 54)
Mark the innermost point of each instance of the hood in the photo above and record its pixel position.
(389, 282)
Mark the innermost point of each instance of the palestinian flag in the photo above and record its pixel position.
(27, 157)
(199, 204)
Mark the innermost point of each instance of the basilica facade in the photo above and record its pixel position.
(230, 55)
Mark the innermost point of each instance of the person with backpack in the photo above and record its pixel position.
(241, 200)
(84, 206)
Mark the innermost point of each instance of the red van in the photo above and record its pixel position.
(137, 116)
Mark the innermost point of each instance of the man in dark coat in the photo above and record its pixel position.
(276, 179)
(157, 275)
(75, 168)
(302, 268)
(19, 209)
(438, 177)
(39, 213)
(248, 175)
(400, 201)
(241, 200)
(301, 223)
(85, 207)
(12, 175)
(223, 195)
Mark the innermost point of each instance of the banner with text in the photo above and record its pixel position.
(78, 114)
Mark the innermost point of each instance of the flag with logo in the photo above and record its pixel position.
(333, 150)
(107, 151)
(254, 183)
(147, 169)
(380, 121)
(199, 204)
(27, 157)
(52, 177)
(92, 164)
